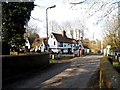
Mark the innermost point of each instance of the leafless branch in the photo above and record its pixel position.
(108, 13)
(91, 7)
(78, 2)
(39, 6)
(36, 19)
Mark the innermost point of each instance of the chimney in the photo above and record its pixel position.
(64, 33)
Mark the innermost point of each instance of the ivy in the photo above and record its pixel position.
(15, 15)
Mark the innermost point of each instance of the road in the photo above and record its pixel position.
(76, 73)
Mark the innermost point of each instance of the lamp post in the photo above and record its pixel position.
(47, 18)
(47, 21)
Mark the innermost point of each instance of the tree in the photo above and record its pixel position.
(30, 31)
(67, 26)
(72, 33)
(95, 45)
(104, 10)
(15, 16)
(33, 38)
(54, 26)
(111, 35)
(107, 7)
(86, 42)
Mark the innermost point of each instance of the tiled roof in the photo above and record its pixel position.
(44, 40)
(63, 39)
(40, 40)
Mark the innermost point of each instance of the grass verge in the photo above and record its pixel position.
(60, 59)
(116, 65)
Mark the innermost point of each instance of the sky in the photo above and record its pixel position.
(64, 11)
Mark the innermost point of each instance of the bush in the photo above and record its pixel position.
(5, 48)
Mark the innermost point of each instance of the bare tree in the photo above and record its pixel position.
(30, 30)
(67, 26)
(104, 7)
(79, 28)
(72, 33)
(111, 35)
(76, 33)
(54, 27)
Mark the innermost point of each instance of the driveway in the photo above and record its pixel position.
(75, 73)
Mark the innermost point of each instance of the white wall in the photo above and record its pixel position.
(66, 45)
(42, 47)
(27, 43)
(51, 42)
(73, 47)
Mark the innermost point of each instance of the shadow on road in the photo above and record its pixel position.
(52, 69)
(73, 74)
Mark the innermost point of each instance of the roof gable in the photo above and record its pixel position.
(63, 39)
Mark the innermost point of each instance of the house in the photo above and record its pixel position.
(27, 43)
(43, 46)
(80, 43)
(79, 49)
(32, 44)
(61, 43)
(39, 44)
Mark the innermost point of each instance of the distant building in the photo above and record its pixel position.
(43, 46)
(27, 43)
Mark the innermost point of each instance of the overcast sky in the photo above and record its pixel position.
(64, 11)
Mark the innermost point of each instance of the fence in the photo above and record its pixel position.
(117, 56)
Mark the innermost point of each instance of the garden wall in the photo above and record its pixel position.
(18, 64)
(109, 77)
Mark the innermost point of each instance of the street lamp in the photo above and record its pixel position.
(47, 20)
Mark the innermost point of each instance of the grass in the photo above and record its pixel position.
(60, 58)
(63, 57)
(116, 65)
(53, 61)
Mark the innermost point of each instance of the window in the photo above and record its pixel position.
(51, 36)
(54, 42)
(61, 44)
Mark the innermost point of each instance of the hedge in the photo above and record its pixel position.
(18, 64)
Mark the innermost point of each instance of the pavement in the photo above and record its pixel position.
(74, 73)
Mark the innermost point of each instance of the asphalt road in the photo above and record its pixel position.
(75, 73)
